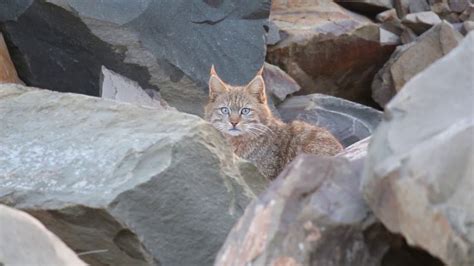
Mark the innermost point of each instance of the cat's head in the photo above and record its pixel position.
(238, 110)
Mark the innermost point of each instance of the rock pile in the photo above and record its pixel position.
(136, 178)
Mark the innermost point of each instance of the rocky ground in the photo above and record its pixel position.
(105, 160)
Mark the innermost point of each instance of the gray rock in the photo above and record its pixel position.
(117, 87)
(410, 59)
(422, 21)
(349, 122)
(140, 186)
(25, 241)
(405, 7)
(312, 214)
(278, 83)
(328, 49)
(163, 45)
(418, 177)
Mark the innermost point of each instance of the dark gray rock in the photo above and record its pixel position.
(349, 122)
(122, 184)
(163, 45)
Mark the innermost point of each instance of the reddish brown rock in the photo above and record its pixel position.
(327, 49)
(313, 214)
(7, 69)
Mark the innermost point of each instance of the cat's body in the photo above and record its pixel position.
(243, 116)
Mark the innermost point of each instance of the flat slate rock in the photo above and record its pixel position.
(163, 45)
(349, 122)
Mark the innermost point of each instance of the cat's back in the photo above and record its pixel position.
(308, 138)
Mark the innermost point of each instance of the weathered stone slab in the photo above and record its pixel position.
(149, 187)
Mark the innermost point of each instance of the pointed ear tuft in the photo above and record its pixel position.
(256, 87)
(213, 70)
(260, 71)
(216, 85)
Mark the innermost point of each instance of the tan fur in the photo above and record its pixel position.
(259, 136)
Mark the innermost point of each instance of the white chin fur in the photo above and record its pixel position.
(234, 132)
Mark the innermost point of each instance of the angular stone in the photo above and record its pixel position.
(349, 122)
(117, 87)
(7, 69)
(369, 7)
(327, 49)
(278, 83)
(418, 177)
(25, 241)
(422, 21)
(410, 59)
(163, 45)
(390, 21)
(150, 188)
(313, 214)
(405, 7)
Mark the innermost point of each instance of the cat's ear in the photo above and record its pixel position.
(256, 87)
(216, 85)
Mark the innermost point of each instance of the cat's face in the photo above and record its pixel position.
(235, 110)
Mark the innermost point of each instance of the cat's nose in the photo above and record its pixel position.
(234, 123)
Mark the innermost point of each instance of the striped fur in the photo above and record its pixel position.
(258, 136)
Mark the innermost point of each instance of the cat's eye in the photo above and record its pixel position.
(225, 110)
(245, 111)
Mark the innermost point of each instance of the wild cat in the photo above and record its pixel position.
(241, 113)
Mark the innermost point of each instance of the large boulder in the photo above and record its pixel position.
(163, 45)
(418, 177)
(410, 59)
(138, 185)
(25, 241)
(312, 214)
(349, 122)
(328, 49)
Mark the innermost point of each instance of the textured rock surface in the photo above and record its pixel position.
(117, 87)
(313, 214)
(348, 121)
(123, 35)
(410, 59)
(327, 49)
(7, 69)
(421, 21)
(25, 241)
(419, 173)
(141, 186)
